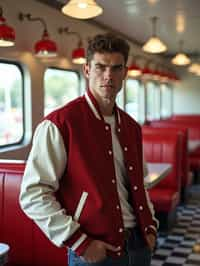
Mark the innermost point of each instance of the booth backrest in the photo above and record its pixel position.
(186, 117)
(28, 245)
(163, 148)
(192, 125)
(172, 128)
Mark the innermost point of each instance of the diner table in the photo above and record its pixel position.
(193, 145)
(4, 249)
(156, 172)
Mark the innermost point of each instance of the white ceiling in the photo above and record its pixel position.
(132, 18)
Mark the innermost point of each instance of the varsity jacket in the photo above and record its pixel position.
(86, 192)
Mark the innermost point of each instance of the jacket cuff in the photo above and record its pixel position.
(78, 242)
(156, 223)
(151, 230)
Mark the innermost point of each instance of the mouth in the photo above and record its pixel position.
(107, 86)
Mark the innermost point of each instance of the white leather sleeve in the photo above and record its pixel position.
(45, 166)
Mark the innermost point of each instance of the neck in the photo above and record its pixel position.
(106, 106)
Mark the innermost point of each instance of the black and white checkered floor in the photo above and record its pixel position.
(179, 246)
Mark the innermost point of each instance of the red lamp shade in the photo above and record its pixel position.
(7, 34)
(174, 78)
(147, 73)
(156, 75)
(134, 71)
(78, 56)
(45, 47)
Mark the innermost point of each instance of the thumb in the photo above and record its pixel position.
(111, 247)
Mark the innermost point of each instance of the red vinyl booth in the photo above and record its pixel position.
(186, 175)
(163, 146)
(28, 245)
(192, 123)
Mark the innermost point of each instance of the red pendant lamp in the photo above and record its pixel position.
(134, 71)
(45, 47)
(7, 33)
(147, 73)
(78, 54)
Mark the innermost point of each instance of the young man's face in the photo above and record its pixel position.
(105, 74)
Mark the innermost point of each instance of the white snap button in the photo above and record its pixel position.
(125, 148)
(106, 127)
(118, 129)
(119, 253)
(110, 152)
(141, 208)
(130, 167)
(113, 181)
(120, 230)
(135, 188)
(117, 207)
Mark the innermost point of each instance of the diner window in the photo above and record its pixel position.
(157, 94)
(11, 104)
(120, 98)
(61, 86)
(153, 101)
(134, 99)
(166, 101)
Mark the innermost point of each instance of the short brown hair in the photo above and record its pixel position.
(107, 43)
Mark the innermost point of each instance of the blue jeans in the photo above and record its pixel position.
(136, 253)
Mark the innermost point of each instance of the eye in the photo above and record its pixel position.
(100, 67)
(117, 68)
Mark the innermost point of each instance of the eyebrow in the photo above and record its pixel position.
(103, 65)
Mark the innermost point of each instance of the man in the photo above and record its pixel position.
(83, 183)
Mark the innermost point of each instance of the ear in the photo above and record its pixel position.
(86, 70)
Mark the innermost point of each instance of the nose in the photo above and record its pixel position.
(108, 73)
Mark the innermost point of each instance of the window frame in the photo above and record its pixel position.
(63, 69)
(22, 72)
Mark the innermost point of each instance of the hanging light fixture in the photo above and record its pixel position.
(147, 73)
(180, 58)
(82, 9)
(194, 68)
(7, 33)
(156, 75)
(45, 47)
(154, 44)
(134, 70)
(78, 54)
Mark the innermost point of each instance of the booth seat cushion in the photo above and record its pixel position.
(194, 162)
(196, 152)
(164, 200)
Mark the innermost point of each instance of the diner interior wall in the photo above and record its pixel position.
(27, 33)
(186, 95)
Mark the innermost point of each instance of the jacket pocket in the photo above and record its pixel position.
(80, 206)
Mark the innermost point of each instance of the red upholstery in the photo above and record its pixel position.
(28, 245)
(186, 117)
(193, 125)
(194, 162)
(163, 146)
(168, 201)
(167, 126)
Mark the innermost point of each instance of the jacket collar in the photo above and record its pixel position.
(93, 104)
